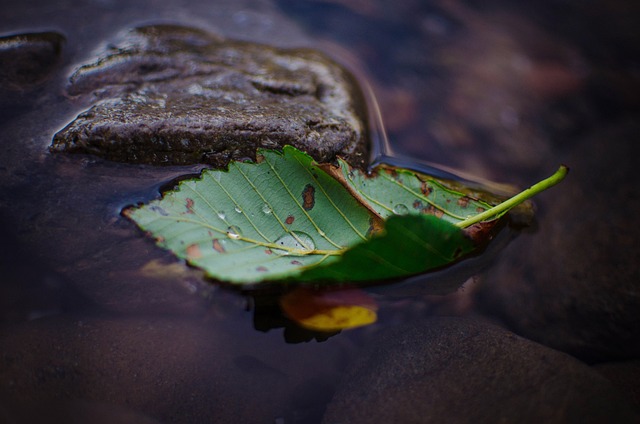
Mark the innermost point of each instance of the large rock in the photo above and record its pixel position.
(574, 284)
(453, 370)
(177, 95)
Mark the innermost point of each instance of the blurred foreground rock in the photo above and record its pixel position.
(165, 369)
(177, 95)
(625, 375)
(457, 370)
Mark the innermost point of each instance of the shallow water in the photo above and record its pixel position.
(99, 319)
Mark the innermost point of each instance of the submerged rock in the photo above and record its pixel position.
(177, 95)
(26, 61)
(574, 285)
(453, 370)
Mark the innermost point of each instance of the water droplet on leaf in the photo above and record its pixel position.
(222, 215)
(233, 232)
(266, 209)
(237, 209)
(295, 242)
(400, 209)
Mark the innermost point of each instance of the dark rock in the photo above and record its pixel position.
(168, 369)
(26, 63)
(176, 95)
(574, 284)
(74, 412)
(456, 370)
(27, 59)
(625, 376)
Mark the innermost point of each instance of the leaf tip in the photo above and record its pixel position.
(128, 211)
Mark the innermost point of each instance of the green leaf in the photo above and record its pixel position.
(410, 245)
(393, 191)
(264, 221)
(288, 218)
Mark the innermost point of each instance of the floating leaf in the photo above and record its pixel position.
(329, 310)
(255, 222)
(409, 245)
(285, 217)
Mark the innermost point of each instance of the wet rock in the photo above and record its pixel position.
(177, 95)
(574, 284)
(26, 62)
(27, 59)
(457, 370)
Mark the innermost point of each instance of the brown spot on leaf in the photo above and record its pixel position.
(375, 226)
(481, 232)
(463, 202)
(290, 220)
(193, 252)
(432, 210)
(308, 197)
(425, 189)
(417, 204)
(190, 204)
(262, 269)
(217, 246)
(268, 251)
(392, 173)
(294, 262)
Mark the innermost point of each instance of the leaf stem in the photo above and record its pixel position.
(517, 199)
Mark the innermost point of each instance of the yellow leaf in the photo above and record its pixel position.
(329, 310)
